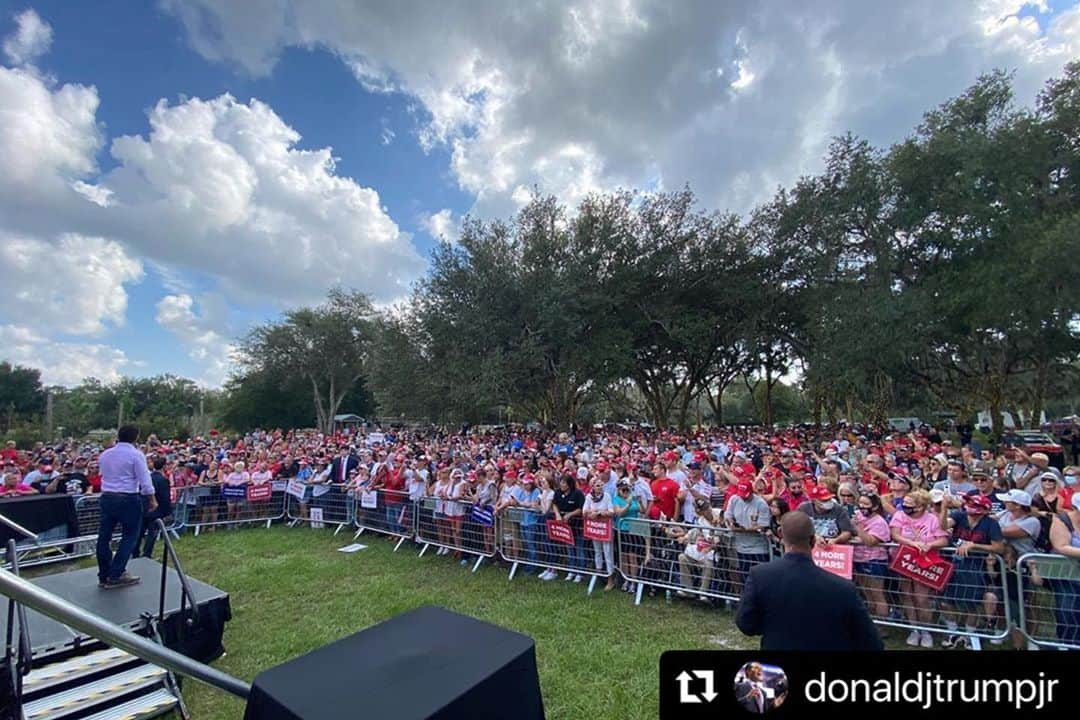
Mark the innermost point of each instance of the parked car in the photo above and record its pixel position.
(1062, 429)
(904, 424)
(1033, 441)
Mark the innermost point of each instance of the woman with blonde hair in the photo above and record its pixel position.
(917, 527)
(234, 488)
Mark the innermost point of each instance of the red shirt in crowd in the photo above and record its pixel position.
(395, 483)
(666, 492)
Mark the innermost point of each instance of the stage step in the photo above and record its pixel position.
(92, 694)
(147, 706)
(75, 668)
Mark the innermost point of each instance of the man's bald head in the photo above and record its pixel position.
(798, 531)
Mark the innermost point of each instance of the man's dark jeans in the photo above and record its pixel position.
(127, 512)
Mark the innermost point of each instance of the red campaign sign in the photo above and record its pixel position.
(597, 529)
(928, 569)
(259, 492)
(174, 494)
(560, 532)
(837, 559)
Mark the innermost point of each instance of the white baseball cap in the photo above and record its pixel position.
(1015, 496)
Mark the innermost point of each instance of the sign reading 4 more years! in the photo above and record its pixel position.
(837, 559)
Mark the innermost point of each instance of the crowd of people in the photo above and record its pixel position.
(693, 510)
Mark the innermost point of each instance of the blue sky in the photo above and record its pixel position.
(160, 249)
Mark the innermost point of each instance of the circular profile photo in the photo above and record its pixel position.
(760, 687)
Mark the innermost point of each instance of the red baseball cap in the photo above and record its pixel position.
(797, 467)
(744, 489)
(975, 501)
(601, 466)
(510, 475)
(819, 492)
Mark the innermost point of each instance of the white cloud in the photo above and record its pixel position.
(61, 363)
(199, 333)
(220, 187)
(732, 97)
(48, 136)
(74, 285)
(442, 225)
(217, 187)
(31, 39)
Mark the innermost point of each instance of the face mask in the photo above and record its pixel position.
(828, 505)
(1070, 480)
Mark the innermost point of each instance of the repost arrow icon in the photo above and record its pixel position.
(685, 695)
(710, 692)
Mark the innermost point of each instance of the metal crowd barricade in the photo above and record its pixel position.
(688, 559)
(320, 505)
(1049, 599)
(523, 539)
(456, 526)
(974, 604)
(388, 512)
(175, 522)
(212, 506)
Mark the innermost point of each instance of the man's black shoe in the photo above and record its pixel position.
(124, 580)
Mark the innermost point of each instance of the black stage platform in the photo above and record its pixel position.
(124, 606)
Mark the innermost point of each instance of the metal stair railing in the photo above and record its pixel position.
(18, 662)
(25, 593)
(12, 525)
(187, 596)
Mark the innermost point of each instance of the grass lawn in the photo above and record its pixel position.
(291, 592)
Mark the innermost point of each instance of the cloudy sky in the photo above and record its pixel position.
(172, 172)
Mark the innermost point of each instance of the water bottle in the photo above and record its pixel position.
(667, 597)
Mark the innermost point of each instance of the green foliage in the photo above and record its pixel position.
(327, 347)
(20, 393)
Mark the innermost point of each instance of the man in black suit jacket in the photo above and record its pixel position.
(342, 466)
(795, 605)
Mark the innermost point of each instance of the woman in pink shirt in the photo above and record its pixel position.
(262, 474)
(917, 527)
(237, 478)
(870, 558)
